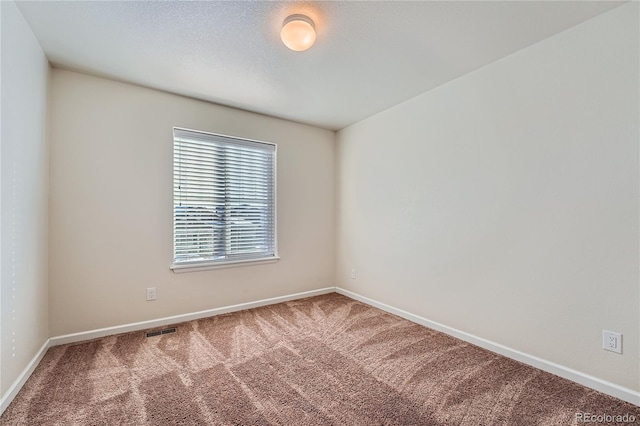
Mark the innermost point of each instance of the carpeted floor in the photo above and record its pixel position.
(326, 360)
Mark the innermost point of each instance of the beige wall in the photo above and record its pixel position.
(505, 203)
(24, 194)
(111, 206)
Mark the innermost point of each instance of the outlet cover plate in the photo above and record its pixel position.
(612, 341)
(151, 293)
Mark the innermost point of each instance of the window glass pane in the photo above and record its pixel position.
(224, 198)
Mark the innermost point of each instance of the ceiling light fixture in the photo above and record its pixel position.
(298, 32)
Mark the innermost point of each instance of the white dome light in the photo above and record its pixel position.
(298, 33)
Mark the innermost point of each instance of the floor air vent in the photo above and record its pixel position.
(159, 332)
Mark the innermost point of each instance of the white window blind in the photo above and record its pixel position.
(223, 199)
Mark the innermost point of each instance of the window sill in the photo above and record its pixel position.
(179, 268)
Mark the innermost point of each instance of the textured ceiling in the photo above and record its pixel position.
(368, 56)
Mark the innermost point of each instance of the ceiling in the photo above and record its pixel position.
(368, 56)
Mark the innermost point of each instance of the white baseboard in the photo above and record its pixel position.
(143, 325)
(589, 381)
(592, 382)
(22, 378)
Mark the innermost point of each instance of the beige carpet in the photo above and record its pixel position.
(326, 360)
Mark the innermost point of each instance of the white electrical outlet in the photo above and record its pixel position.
(612, 341)
(354, 274)
(151, 293)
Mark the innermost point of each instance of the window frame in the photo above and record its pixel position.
(210, 264)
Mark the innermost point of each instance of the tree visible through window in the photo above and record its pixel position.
(223, 199)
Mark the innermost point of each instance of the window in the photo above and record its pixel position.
(223, 200)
